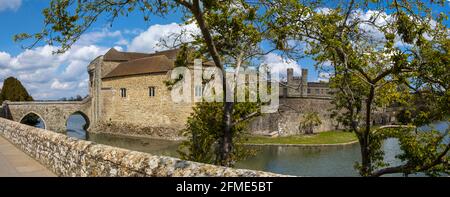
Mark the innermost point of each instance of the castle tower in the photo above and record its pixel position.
(304, 83)
(290, 75)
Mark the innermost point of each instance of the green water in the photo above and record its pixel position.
(300, 161)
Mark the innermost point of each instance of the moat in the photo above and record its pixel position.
(300, 161)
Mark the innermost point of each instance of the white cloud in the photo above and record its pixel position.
(324, 77)
(40, 57)
(95, 36)
(86, 53)
(150, 40)
(84, 83)
(57, 85)
(119, 48)
(4, 59)
(276, 63)
(74, 70)
(51, 76)
(10, 5)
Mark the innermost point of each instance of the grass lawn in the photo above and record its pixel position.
(328, 137)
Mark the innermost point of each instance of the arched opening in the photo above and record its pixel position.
(77, 125)
(34, 120)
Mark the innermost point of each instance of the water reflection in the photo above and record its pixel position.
(305, 161)
(300, 161)
(76, 126)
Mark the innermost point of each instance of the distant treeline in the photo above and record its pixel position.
(76, 98)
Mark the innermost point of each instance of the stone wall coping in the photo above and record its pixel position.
(47, 102)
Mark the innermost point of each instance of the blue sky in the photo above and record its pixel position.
(48, 76)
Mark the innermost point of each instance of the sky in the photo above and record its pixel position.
(47, 76)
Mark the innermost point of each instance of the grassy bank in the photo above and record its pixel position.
(329, 137)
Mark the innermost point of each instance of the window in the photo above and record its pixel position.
(309, 90)
(151, 91)
(198, 91)
(123, 92)
(317, 91)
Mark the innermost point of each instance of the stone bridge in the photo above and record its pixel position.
(54, 114)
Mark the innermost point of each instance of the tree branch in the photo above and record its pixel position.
(248, 117)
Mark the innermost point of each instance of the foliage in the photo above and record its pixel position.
(422, 151)
(309, 121)
(369, 72)
(395, 54)
(13, 90)
(77, 98)
(203, 131)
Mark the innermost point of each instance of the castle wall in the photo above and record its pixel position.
(291, 112)
(156, 116)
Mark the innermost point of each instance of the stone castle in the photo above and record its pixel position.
(128, 95)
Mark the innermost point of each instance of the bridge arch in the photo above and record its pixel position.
(77, 124)
(85, 117)
(31, 113)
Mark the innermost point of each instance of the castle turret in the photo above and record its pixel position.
(304, 83)
(290, 75)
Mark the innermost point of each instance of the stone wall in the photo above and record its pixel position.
(130, 129)
(71, 157)
(140, 110)
(291, 111)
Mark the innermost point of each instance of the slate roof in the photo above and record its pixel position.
(154, 64)
(142, 63)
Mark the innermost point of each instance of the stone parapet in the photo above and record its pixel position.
(67, 156)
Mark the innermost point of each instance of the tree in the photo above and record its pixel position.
(229, 35)
(373, 56)
(79, 98)
(309, 121)
(203, 131)
(13, 90)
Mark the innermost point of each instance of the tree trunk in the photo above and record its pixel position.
(225, 141)
(226, 145)
(365, 141)
(309, 129)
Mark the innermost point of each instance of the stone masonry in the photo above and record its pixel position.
(67, 156)
(287, 120)
(53, 114)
